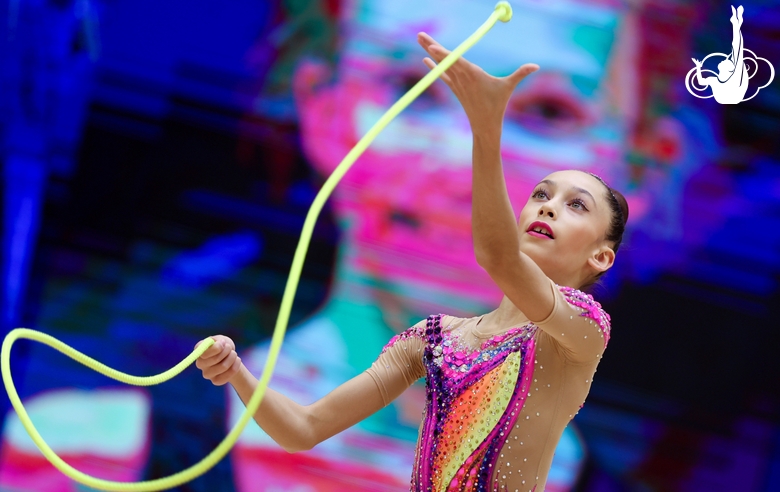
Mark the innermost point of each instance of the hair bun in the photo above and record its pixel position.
(623, 204)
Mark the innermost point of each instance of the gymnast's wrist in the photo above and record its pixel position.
(486, 135)
(243, 380)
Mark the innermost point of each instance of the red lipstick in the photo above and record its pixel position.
(540, 229)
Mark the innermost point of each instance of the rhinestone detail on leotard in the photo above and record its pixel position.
(474, 398)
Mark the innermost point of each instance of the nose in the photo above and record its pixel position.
(546, 210)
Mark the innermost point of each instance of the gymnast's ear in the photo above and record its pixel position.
(602, 259)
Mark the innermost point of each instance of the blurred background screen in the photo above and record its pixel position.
(159, 157)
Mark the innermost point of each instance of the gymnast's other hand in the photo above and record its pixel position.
(220, 362)
(483, 96)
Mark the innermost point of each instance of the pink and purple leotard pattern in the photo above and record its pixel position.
(474, 398)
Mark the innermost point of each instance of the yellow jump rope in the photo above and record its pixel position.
(503, 13)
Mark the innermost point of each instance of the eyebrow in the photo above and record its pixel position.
(576, 188)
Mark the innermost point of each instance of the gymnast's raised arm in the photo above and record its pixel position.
(496, 236)
(494, 227)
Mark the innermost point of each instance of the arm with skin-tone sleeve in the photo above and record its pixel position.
(297, 427)
(496, 241)
(494, 228)
(577, 323)
(497, 247)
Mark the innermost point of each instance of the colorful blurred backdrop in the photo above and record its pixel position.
(159, 157)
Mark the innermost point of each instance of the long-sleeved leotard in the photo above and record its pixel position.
(495, 413)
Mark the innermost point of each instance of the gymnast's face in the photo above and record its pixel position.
(407, 200)
(572, 215)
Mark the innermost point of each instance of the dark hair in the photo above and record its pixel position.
(618, 207)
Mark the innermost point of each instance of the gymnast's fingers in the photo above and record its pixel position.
(228, 374)
(424, 40)
(218, 368)
(219, 342)
(205, 362)
(225, 340)
(431, 64)
(437, 51)
(215, 349)
(214, 372)
(522, 73)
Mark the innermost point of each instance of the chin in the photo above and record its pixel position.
(542, 257)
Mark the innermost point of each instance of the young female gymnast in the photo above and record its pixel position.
(501, 387)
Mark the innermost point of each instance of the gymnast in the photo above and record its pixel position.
(501, 387)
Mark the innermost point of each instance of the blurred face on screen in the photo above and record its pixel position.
(406, 203)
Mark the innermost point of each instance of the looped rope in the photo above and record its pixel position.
(502, 12)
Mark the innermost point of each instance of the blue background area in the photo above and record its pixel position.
(139, 219)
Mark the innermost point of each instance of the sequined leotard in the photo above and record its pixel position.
(495, 412)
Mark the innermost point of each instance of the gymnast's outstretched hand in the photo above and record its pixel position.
(483, 96)
(220, 362)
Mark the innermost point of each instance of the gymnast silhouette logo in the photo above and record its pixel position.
(730, 84)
